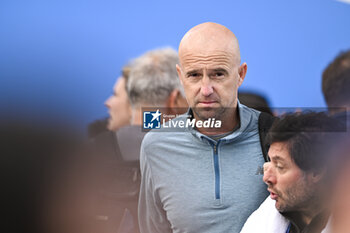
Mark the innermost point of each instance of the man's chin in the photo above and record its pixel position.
(277, 206)
(110, 126)
(280, 207)
(204, 114)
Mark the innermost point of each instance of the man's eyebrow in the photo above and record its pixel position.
(192, 72)
(276, 158)
(221, 70)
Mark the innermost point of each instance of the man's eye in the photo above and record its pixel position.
(219, 74)
(194, 75)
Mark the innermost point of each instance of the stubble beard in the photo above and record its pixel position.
(296, 198)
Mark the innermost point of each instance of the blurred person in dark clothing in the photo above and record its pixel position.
(48, 180)
(335, 87)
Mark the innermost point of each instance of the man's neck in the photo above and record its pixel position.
(304, 217)
(314, 218)
(136, 116)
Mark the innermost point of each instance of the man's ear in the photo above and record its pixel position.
(242, 71)
(171, 101)
(176, 100)
(316, 177)
(179, 73)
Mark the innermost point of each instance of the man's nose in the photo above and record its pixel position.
(206, 86)
(269, 175)
(107, 102)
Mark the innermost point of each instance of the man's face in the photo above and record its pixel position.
(119, 106)
(210, 80)
(288, 185)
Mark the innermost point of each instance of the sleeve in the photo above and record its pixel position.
(152, 217)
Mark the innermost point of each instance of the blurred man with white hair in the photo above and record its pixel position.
(151, 82)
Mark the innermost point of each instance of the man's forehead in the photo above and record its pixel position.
(207, 46)
(119, 82)
(211, 60)
(279, 151)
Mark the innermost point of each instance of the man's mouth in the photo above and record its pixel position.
(273, 195)
(207, 103)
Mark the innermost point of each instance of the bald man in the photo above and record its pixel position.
(204, 179)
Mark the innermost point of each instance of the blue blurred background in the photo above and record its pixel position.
(63, 57)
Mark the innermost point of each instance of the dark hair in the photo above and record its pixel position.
(308, 137)
(335, 83)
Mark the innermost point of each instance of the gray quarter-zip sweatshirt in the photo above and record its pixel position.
(193, 184)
